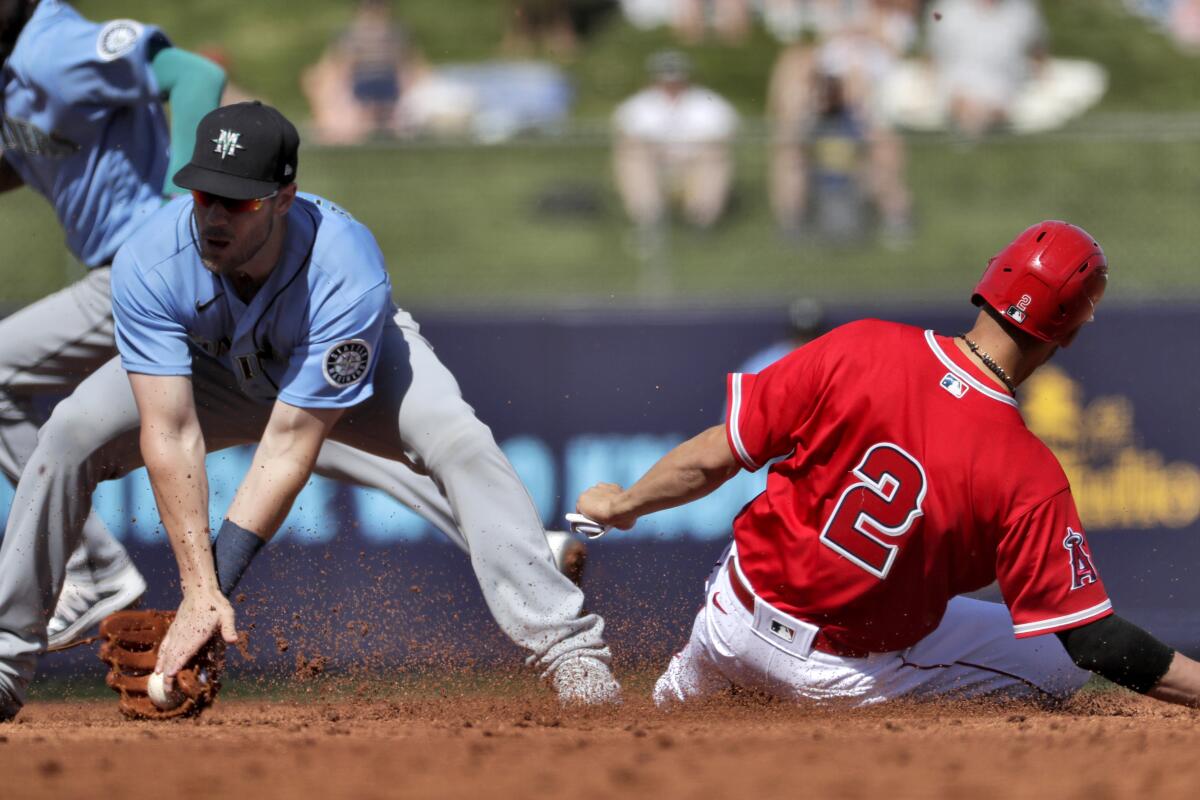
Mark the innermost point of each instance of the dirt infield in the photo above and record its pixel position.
(494, 745)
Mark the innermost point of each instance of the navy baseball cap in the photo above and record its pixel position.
(243, 151)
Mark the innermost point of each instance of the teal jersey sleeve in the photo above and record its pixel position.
(193, 86)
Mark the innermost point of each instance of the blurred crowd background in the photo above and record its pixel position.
(698, 151)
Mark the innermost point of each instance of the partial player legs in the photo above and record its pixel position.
(692, 673)
(973, 652)
(341, 462)
(435, 429)
(92, 436)
(48, 348)
(84, 442)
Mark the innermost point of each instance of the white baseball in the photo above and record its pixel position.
(159, 695)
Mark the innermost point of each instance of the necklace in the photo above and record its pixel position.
(990, 363)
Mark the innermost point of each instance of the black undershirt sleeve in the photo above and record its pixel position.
(1119, 651)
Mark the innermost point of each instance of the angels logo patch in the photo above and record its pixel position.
(347, 362)
(117, 38)
(1083, 571)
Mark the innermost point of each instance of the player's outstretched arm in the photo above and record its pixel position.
(173, 448)
(690, 471)
(1127, 655)
(1181, 684)
(282, 464)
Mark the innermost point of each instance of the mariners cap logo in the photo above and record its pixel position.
(227, 143)
(347, 362)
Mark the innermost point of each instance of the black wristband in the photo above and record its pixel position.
(1119, 651)
(233, 551)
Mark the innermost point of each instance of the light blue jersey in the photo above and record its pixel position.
(83, 124)
(308, 337)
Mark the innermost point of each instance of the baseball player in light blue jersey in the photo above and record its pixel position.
(83, 125)
(251, 314)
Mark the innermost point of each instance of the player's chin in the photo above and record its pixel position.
(217, 260)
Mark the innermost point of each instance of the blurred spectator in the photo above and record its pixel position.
(535, 25)
(692, 19)
(491, 100)
(989, 67)
(552, 26)
(674, 139)
(1179, 19)
(355, 87)
(1185, 24)
(831, 148)
(788, 20)
(985, 51)
(806, 321)
(729, 19)
(648, 14)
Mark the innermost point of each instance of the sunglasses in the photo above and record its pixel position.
(206, 200)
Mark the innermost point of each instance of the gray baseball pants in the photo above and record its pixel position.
(48, 348)
(417, 414)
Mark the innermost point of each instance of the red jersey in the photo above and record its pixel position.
(905, 477)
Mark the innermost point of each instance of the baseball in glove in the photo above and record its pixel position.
(130, 648)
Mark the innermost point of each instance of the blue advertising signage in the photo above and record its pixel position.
(580, 397)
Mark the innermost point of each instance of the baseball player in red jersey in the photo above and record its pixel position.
(905, 477)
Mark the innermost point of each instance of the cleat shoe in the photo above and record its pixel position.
(84, 602)
(586, 681)
(8, 707)
(570, 555)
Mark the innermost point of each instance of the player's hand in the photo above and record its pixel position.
(602, 503)
(200, 615)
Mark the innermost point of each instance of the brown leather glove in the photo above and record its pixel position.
(130, 648)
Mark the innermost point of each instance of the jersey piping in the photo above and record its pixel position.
(735, 413)
(1065, 621)
(964, 375)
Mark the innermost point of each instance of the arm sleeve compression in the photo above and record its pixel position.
(193, 87)
(1119, 651)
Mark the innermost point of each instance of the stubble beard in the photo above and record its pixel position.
(229, 263)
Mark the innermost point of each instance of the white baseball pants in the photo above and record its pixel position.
(972, 653)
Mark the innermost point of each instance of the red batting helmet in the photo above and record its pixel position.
(1047, 281)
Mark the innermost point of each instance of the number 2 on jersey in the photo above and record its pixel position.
(885, 502)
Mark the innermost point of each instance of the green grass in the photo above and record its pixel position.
(459, 223)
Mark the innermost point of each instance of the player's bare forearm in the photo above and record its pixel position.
(9, 179)
(690, 471)
(173, 448)
(1181, 684)
(282, 464)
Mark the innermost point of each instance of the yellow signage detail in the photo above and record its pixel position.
(1116, 483)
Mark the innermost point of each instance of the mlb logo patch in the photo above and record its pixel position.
(782, 631)
(1016, 313)
(954, 385)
